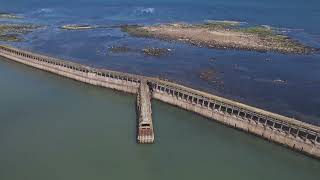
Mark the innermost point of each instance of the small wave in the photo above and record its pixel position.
(144, 11)
(267, 27)
(44, 10)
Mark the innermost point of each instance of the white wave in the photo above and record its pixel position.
(44, 10)
(144, 11)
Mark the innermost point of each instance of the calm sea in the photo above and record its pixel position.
(54, 128)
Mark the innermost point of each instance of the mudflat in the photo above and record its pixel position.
(222, 35)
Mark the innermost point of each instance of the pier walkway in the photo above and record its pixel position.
(292, 133)
(145, 126)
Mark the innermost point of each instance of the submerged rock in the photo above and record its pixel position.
(156, 51)
(11, 38)
(13, 32)
(150, 51)
(208, 75)
(120, 49)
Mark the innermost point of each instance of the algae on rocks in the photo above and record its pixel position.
(13, 32)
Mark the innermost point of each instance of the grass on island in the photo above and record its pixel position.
(258, 30)
(135, 30)
(220, 24)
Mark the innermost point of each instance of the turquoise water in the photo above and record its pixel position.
(55, 128)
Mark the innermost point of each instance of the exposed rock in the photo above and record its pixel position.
(11, 38)
(120, 49)
(156, 51)
(13, 32)
(77, 27)
(221, 35)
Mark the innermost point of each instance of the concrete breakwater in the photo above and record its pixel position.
(145, 126)
(292, 133)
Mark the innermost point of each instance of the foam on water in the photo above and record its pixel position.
(142, 11)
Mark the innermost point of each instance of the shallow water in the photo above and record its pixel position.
(55, 128)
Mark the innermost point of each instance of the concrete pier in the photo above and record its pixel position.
(289, 132)
(145, 126)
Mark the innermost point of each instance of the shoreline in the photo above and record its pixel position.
(222, 35)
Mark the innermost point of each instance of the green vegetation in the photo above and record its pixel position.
(214, 34)
(258, 30)
(135, 30)
(219, 24)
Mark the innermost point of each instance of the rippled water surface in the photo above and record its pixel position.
(248, 77)
(55, 128)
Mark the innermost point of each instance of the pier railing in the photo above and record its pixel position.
(288, 127)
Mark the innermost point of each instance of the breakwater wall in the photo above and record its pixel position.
(145, 126)
(292, 133)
